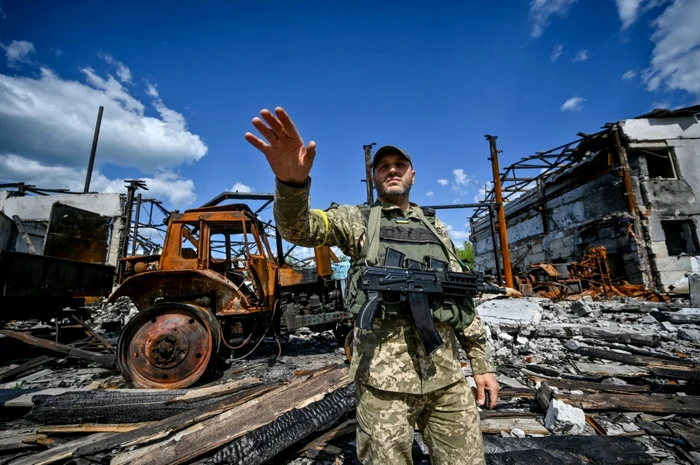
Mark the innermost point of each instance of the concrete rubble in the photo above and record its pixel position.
(569, 371)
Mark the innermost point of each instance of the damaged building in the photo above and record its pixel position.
(630, 188)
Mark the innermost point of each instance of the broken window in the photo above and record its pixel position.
(681, 237)
(659, 163)
(190, 240)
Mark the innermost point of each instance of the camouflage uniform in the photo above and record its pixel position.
(398, 384)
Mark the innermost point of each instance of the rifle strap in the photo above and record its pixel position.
(373, 228)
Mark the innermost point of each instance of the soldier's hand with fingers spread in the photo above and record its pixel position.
(486, 382)
(286, 153)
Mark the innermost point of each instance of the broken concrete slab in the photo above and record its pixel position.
(562, 418)
(689, 335)
(521, 312)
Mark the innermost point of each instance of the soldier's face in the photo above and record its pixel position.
(393, 176)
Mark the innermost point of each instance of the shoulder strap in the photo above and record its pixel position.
(373, 227)
(432, 229)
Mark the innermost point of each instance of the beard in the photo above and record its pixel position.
(394, 194)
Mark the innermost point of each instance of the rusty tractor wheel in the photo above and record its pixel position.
(168, 346)
(348, 344)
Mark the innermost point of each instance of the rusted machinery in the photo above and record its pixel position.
(218, 286)
(590, 276)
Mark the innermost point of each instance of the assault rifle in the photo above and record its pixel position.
(403, 280)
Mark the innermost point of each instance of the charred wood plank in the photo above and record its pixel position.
(528, 425)
(568, 450)
(590, 386)
(62, 452)
(108, 360)
(217, 391)
(691, 435)
(91, 428)
(94, 334)
(343, 429)
(595, 370)
(9, 375)
(23, 234)
(221, 429)
(683, 405)
(638, 360)
(110, 406)
(651, 339)
(261, 445)
(164, 427)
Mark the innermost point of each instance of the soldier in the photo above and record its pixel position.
(398, 384)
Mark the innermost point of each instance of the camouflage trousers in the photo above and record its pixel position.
(447, 418)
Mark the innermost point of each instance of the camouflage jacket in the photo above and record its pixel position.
(388, 356)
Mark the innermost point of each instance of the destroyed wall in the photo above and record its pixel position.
(663, 157)
(35, 211)
(586, 205)
(559, 221)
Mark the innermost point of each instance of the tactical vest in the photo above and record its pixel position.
(410, 236)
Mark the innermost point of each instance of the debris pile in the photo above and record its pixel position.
(618, 367)
(600, 382)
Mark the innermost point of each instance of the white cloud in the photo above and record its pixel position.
(165, 185)
(48, 125)
(556, 52)
(51, 120)
(482, 192)
(460, 177)
(443, 182)
(628, 11)
(675, 61)
(573, 104)
(629, 74)
(582, 55)
(123, 72)
(240, 187)
(429, 194)
(542, 10)
(152, 90)
(18, 52)
(457, 236)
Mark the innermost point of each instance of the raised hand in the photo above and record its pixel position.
(286, 153)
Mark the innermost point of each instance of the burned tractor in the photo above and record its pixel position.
(217, 287)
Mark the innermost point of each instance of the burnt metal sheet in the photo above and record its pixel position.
(6, 225)
(295, 276)
(77, 234)
(26, 275)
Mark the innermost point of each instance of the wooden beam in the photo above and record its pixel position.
(682, 405)
(221, 429)
(162, 428)
(108, 360)
(9, 375)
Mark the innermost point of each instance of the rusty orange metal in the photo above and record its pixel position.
(168, 347)
(215, 261)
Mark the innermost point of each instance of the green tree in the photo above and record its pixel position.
(466, 253)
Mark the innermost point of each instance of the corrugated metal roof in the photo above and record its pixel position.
(663, 113)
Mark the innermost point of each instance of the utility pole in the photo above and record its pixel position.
(502, 232)
(368, 173)
(88, 176)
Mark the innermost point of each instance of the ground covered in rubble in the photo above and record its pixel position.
(612, 381)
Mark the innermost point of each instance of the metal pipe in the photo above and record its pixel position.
(495, 245)
(130, 190)
(502, 232)
(88, 176)
(136, 224)
(626, 176)
(368, 172)
(278, 245)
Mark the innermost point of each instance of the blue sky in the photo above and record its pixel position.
(181, 81)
